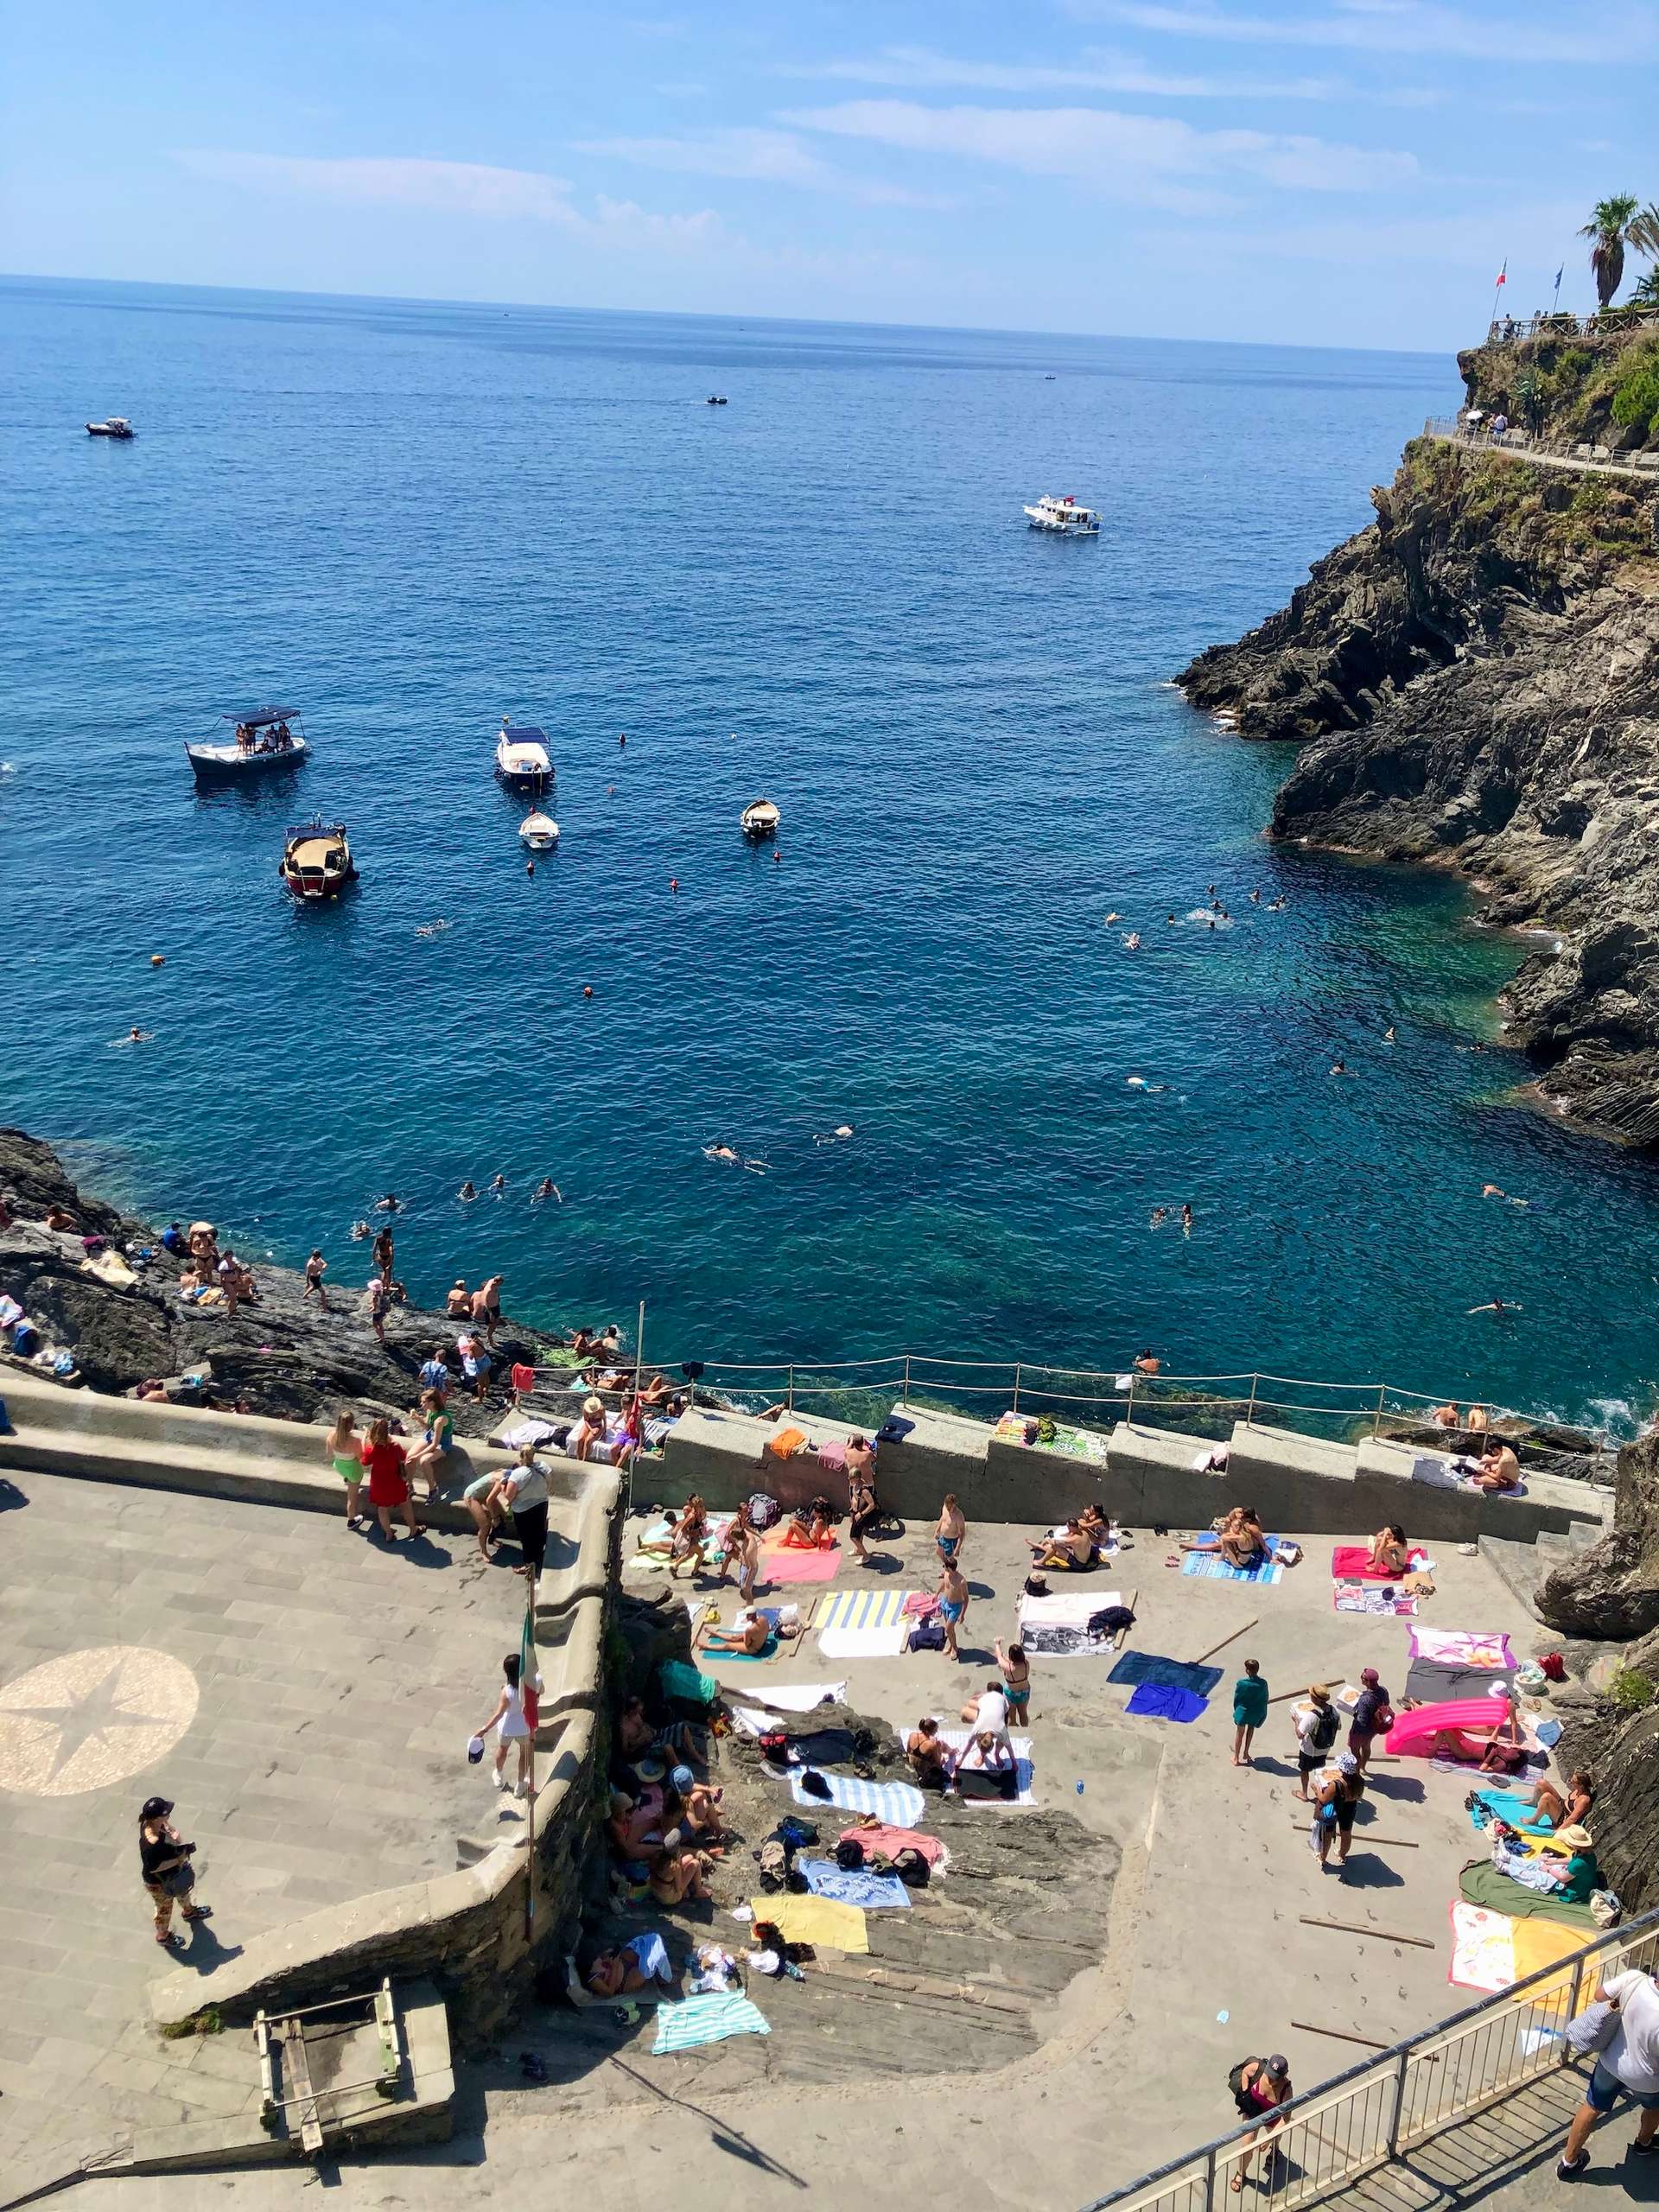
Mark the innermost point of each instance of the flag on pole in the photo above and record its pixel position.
(1559, 273)
(1503, 273)
(530, 1681)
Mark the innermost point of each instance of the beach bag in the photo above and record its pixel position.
(911, 1868)
(1109, 1619)
(1592, 2030)
(25, 1339)
(814, 1785)
(1604, 1908)
(796, 1882)
(774, 1746)
(1383, 1721)
(771, 1858)
(763, 1511)
(1035, 1586)
(927, 1637)
(849, 1855)
(1552, 1667)
(795, 1834)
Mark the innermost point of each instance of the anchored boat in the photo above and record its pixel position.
(316, 860)
(760, 818)
(539, 831)
(1064, 517)
(521, 757)
(265, 741)
(117, 427)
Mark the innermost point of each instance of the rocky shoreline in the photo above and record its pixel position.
(281, 1356)
(1474, 682)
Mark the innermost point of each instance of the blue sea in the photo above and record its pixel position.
(406, 520)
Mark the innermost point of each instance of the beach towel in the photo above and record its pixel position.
(1428, 1683)
(706, 2019)
(1493, 1950)
(1169, 1674)
(1211, 1567)
(797, 1697)
(958, 1738)
(676, 1680)
(1352, 1563)
(1376, 1599)
(725, 1658)
(864, 1642)
(1160, 1702)
(1463, 1647)
(1517, 1812)
(786, 1443)
(793, 1566)
(815, 1919)
(865, 1608)
(1065, 1608)
(1480, 1883)
(891, 1841)
(853, 1885)
(899, 1802)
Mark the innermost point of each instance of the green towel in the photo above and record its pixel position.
(1482, 1883)
(680, 1681)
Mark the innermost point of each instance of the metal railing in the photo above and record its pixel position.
(1360, 2121)
(1505, 329)
(1457, 429)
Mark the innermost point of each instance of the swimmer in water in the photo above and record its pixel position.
(1186, 1216)
(1133, 941)
(391, 1204)
(497, 1186)
(722, 1151)
(1255, 897)
(1170, 918)
(842, 1131)
(1388, 1036)
(1340, 1067)
(1160, 1215)
(547, 1188)
(622, 742)
(587, 990)
(1492, 1190)
(1499, 1305)
(360, 1230)
(673, 882)
(468, 1189)
(1213, 921)
(1135, 1082)
(134, 1036)
(1113, 916)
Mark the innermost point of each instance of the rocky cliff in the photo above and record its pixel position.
(1474, 682)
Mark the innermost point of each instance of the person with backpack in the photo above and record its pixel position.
(1316, 1726)
(1259, 2087)
(1373, 1717)
(1334, 1807)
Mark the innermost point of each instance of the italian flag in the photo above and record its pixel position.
(530, 1681)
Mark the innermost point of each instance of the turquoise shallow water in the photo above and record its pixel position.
(407, 519)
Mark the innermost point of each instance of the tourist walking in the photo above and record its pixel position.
(374, 1299)
(861, 1496)
(1316, 1725)
(741, 1547)
(523, 1489)
(164, 1861)
(1373, 1717)
(1628, 2067)
(953, 1606)
(951, 1531)
(510, 1728)
(1259, 2086)
(316, 1268)
(1250, 1710)
(344, 1449)
(388, 1489)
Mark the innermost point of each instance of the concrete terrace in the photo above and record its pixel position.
(1204, 1922)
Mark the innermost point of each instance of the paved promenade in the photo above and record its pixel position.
(303, 1693)
(1203, 1959)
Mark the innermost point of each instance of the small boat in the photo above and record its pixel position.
(539, 831)
(521, 758)
(316, 860)
(760, 818)
(266, 739)
(1064, 517)
(117, 427)
(715, 400)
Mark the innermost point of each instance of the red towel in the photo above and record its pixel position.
(891, 1841)
(1352, 1563)
(524, 1378)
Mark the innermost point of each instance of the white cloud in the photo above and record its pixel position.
(759, 157)
(1398, 27)
(450, 188)
(1153, 160)
(920, 69)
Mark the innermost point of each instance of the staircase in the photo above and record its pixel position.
(1523, 1566)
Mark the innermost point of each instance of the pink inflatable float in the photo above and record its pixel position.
(1429, 1728)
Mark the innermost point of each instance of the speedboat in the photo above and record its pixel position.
(1064, 517)
(521, 758)
(539, 831)
(264, 739)
(715, 400)
(316, 860)
(760, 818)
(117, 427)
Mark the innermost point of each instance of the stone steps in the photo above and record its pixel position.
(1523, 1566)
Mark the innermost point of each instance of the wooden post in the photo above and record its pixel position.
(1223, 1645)
(1376, 1935)
(1117, 1641)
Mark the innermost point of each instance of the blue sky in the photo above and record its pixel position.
(1345, 172)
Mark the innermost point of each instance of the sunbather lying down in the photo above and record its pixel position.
(641, 1963)
(749, 1632)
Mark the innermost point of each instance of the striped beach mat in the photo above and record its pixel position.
(706, 2019)
(860, 1609)
(1210, 1567)
(898, 1803)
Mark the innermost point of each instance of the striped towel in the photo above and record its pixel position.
(706, 2019)
(862, 1608)
(1212, 1568)
(898, 1803)
(858, 1886)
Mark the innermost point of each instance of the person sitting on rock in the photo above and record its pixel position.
(458, 1301)
(676, 1878)
(1497, 1469)
(928, 1756)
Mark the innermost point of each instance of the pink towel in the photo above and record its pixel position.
(1352, 1563)
(800, 1567)
(892, 1841)
(921, 1605)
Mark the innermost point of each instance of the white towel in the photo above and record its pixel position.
(795, 1697)
(865, 1643)
(1068, 1608)
(958, 1739)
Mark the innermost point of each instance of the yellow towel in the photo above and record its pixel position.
(1540, 1944)
(815, 1919)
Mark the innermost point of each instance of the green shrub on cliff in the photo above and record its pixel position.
(1636, 403)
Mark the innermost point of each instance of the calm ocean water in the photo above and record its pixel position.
(407, 519)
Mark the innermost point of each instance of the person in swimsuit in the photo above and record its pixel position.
(951, 1531)
(741, 1548)
(953, 1605)
(383, 1253)
(748, 1633)
(1389, 1553)
(861, 1495)
(1070, 1552)
(930, 1759)
(1016, 1682)
(1263, 2084)
(344, 1449)
(432, 1450)
(316, 1268)
(1243, 1543)
(690, 1537)
(1334, 1806)
(511, 1727)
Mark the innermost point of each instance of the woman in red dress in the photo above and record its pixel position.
(387, 1487)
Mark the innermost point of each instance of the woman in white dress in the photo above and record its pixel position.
(511, 1727)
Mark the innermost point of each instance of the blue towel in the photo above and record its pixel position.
(1164, 1703)
(898, 1803)
(852, 1886)
(1213, 1568)
(1169, 1674)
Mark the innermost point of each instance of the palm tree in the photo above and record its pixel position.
(1646, 295)
(1610, 226)
(1643, 232)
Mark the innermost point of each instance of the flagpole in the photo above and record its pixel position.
(530, 1815)
(1503, 279)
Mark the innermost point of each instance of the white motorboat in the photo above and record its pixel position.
(117, 427)
(760, 818)
(1064, 517)
(540, 832)
(521, 757)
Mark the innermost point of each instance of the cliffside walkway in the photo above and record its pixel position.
(1516, 445)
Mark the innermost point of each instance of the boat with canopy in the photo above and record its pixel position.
(263, 741)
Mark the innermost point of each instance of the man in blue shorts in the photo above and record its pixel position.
(1628, 2068)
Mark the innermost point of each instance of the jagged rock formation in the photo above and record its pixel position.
(282, 1357)
(1611, 1592)
(1475, 682)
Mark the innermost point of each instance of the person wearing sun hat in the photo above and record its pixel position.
(1341, 1788)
